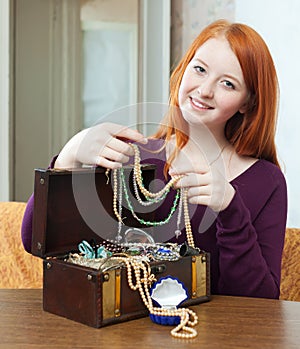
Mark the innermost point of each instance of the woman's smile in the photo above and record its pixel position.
(199, 105)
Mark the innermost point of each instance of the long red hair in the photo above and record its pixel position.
(252, 133)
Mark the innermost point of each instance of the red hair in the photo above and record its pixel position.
(253, 132)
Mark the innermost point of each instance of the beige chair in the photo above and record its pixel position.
(290, 266)
(18, 269)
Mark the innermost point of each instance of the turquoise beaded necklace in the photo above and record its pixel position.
(119, 186)
(140, 220)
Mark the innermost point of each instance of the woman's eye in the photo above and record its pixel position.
(228, 84)
(199, 69)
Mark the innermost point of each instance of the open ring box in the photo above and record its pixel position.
(75, 205)
(168, 293)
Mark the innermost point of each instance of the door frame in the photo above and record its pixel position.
(5, 102)
(64, 110)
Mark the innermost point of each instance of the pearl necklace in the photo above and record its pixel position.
(151, 198)
(140, 220)
(139, 266)
(138, 176)
(187, 221)
(143, 280)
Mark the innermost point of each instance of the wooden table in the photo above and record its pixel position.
(224, 322)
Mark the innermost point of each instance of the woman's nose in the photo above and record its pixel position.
(206, 90)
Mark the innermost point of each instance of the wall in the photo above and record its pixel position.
(190, 16)
(46, 97)
(278, 23)
(109, 11)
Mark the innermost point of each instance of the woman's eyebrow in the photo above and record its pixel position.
(199, 61)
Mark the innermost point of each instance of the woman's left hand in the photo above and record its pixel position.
(206, 186)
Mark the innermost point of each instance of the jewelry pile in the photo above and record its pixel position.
(100, 257)
(136, 259)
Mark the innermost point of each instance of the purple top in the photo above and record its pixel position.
(245, 240)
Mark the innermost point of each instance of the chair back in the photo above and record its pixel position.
(18, 269)
(290, 266)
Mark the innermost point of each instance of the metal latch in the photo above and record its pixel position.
(158, 269)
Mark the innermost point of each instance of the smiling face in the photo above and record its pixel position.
(212, 89)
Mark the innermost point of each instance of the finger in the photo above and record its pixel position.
(193, 180)
(200, 200)
(101, 161)
(113, 155)
(120, 147)
(130, 134)
(204, 190)
(184, 170)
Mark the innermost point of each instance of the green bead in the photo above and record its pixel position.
(140, 220)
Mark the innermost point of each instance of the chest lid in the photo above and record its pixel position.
(77, 204)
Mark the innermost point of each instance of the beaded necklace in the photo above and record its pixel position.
(143, 279)
(138, 177)
(139, 270)
(139, 266)
(119, 185)
(142, 221)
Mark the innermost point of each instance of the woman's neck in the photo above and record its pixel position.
(209, 140)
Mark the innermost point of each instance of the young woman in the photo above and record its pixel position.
(219, 135)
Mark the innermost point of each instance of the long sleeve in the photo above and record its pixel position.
(250, 237)
(26, 228)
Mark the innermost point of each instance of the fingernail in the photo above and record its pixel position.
(144, 141)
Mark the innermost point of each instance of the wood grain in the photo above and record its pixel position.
(224, 322)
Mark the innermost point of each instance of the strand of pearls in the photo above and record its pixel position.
(119, 237)
(148, 201)
(142, 221)
(138, 176)
(187, 221)
(116, 207)
(143, 280)
(151, 198)
(115, 197)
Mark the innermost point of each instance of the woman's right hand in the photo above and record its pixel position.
(101, 145)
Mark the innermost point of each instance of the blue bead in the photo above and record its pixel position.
(164, 250)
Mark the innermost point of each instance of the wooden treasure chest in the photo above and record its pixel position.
(75, 215)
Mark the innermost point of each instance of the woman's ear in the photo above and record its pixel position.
(249, 104)
(243, 108)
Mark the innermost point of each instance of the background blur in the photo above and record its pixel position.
(67, 64)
